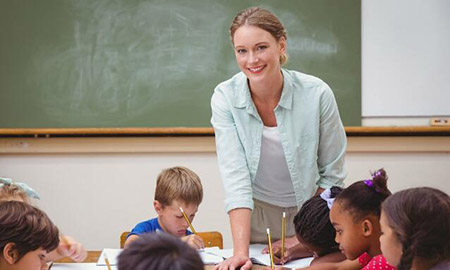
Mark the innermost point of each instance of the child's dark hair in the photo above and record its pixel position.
(27, 227)
(420, 217)
(159, 251)
(312, 223)
(364, 198)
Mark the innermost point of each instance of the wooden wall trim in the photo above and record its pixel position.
(205, 131)
(180, 144)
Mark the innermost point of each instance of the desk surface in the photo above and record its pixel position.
(93, 257)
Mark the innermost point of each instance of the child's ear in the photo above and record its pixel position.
(158, 207)
(367, 227)
(10, 253)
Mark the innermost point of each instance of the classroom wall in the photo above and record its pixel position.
(96, 188)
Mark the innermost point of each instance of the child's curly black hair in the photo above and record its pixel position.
(312, 223)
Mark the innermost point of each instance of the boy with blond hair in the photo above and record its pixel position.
(175, 187)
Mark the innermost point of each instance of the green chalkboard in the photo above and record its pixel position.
(155, 63)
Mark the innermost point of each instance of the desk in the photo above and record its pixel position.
(93, 257)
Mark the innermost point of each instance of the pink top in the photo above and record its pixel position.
(376, 263)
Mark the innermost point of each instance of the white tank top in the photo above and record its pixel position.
(273, 182)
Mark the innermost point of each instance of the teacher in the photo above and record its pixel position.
(279, 137)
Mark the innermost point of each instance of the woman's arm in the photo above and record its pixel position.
(332, 142)
(240, 229)
(236, 179)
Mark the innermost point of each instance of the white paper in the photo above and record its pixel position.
(112, 254)
(258, 258)
(210, 256)
(80, 266)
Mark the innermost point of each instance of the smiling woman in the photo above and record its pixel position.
(279, 136)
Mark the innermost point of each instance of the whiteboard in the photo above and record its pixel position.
(405, 58)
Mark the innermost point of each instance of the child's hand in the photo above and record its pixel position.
(277, 259)
(69, 247)
(290, 242)
(194, 241)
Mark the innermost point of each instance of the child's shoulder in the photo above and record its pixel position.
(378, 263)
(151, 225)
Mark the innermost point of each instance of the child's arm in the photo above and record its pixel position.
(295, 252)
(68, 247)
(290, 242)
(194, 241)
(129, 240)
(344, 265)
(331, 257)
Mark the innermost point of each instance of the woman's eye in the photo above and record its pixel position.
(240, 51)
(262, 47)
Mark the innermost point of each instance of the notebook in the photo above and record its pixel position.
(80, 266)
(264, 259)
(112, 255)
(208, 256)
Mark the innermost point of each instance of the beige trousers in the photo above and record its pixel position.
(267, 215)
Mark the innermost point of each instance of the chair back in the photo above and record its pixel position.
(211, 239)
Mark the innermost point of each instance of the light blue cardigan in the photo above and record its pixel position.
(311, 133)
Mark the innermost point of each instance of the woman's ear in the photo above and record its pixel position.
(10, 253)
(282, 43)
(367, 227)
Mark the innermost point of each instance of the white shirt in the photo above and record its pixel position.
(273, 182)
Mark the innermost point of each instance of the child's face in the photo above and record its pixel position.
(316, 251)
(171, 218)
(33, 260)
(349, 235)
(391, 247)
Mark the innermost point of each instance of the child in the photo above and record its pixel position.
(68, 247)
(159, 251)
(27, 235)
(314, 230)
(416, 229)
(175, 187)
(14, 191)
(355, 215)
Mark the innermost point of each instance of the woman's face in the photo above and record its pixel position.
(257, 52)
(391, 246)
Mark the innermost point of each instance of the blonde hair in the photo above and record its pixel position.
(13, 193)
(261, 18)
(178, 183)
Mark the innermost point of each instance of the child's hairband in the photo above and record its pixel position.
(29, 191)
(326, 196)
(369, 182)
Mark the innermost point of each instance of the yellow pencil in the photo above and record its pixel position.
(272, 265)
(283, 234)
(107, 261)
(187, 220)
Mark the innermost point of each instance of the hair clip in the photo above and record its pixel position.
(326, 196)
(27, 189)
(369, 182)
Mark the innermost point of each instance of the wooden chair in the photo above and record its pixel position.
(211, 239)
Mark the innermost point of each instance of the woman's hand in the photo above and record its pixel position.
(235, 262)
